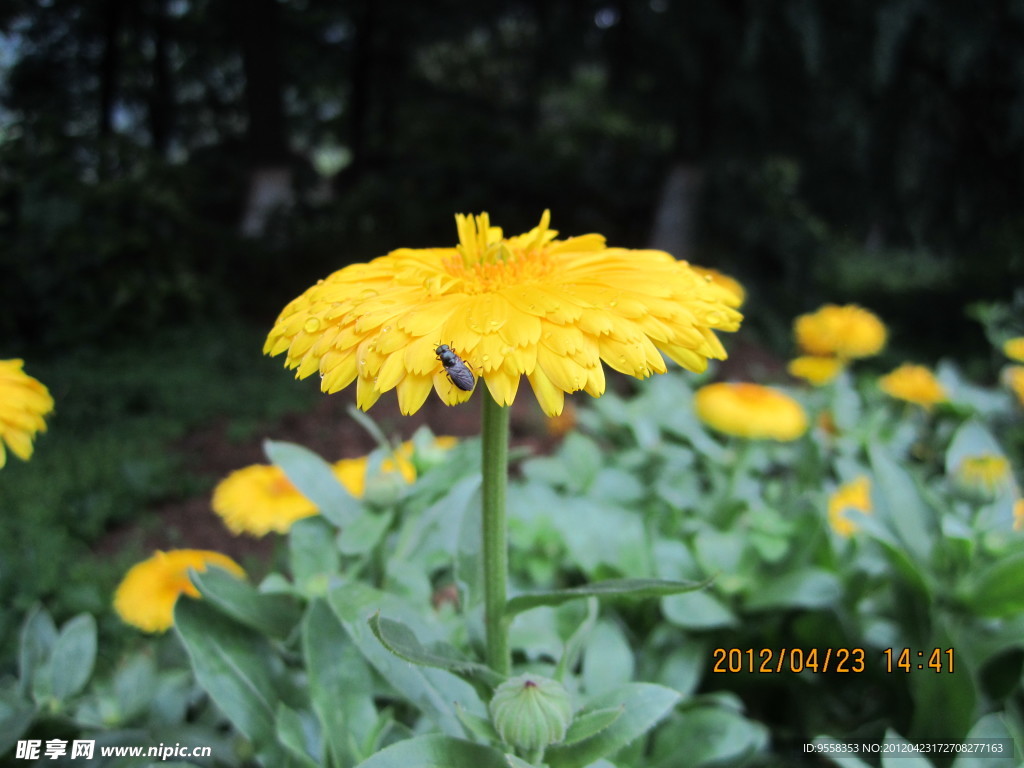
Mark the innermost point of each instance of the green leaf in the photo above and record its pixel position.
(315, 480)
(402, 641)
(275, 615)
(364, 533)
(632, 589)
(434, 691)
(697, 610)
(897, 500)
(134, 686)
(38, 635)
(945, 704)
(74, 655)
(591, 724)
(708, 736)
(313, 554)
(989, 727)
(436, 752)
(803, 588)
(16, 717)
(481, 727)
(607, 659)
(291, 733)
(643, 705)
(342, 688)
(837, 757)
(230, 663)
(905, 759)
(998, 590)
(574, 645)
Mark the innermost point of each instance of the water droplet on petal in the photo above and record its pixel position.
(386, 329)
(712, 318)
(613, 303)
(312, 325)
(362, 362)
(493, 323)
(485, 358)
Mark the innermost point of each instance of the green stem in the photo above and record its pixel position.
(495, 552)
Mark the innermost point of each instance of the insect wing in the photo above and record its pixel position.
(461, 376)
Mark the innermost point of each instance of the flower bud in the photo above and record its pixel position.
(530, 712)
(982, 478)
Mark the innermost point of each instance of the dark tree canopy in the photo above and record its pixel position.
(845, 151)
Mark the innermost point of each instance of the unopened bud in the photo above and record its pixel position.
(530, 712)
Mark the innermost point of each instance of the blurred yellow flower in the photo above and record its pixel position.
(855, 494)
(352, 472)
(722, 280)
(563, 423)
(1013, 378)
(815, 370)
(846, 332)
(531, 305)
(982, 477)
(750, 410)
(915, 384)
(1018, 515)
(23, 403)
(259, 499)
(146, 596)
(1014, 349)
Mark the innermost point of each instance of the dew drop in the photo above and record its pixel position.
(386, 329)
(712, 318)
(362, 362)
(613, 303)
(312, 325)
(485, 358)
(493, 323)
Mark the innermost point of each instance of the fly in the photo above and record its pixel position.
(456, 368)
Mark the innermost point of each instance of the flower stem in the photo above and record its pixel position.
(495, 551)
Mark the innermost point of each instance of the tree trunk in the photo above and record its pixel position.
(270, 181)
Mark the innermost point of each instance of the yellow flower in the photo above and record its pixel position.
(721, 280)
(982, 477)
(23, 403)
(146, 596)
(815, 370)
(853, 495)
(259, 499)
(1013, 378)
(531, 305)
(750, 410)
(1018, 515)
(840, 331)
(915, 384)
(352, 472)
(1014, 349)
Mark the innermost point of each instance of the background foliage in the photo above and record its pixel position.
(870, 150)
